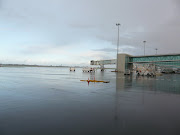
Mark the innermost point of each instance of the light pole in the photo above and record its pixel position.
(156, 51)
(117, 24)
(144, 46)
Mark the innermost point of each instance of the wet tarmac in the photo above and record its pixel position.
(53, 101)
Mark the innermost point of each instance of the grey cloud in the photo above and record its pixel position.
(39, 49)
(105, 50)
(122, 48)
(35, 50)
(82, 26)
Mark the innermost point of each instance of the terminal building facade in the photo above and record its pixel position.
(126, 61)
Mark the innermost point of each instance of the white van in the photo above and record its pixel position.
(88, 69)
(72, 69)
(127, 72)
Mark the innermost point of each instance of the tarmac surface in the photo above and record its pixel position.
(53, 101)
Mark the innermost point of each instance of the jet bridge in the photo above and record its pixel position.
(103, 62)
(126, 61)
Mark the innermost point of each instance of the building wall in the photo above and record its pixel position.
(121, 62)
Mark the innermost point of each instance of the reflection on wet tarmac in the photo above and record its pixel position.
(166, 83)
(146, 105)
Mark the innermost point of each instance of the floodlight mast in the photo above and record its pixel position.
(156, 50)
(144, 46)
(117, 24)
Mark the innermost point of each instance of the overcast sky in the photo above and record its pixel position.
(73, 32)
